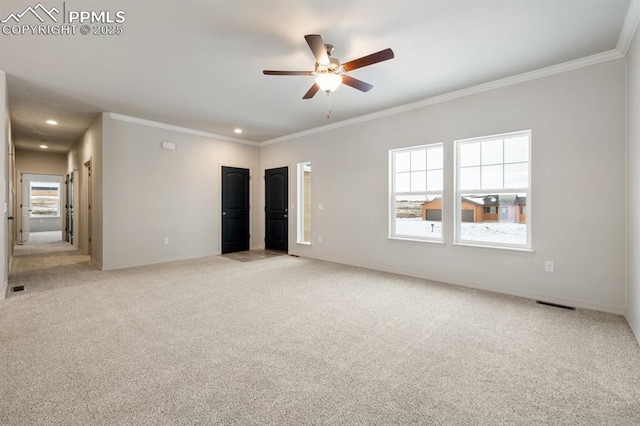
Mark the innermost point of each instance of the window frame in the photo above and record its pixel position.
(302, 201)
(458, 192)
(393, 234)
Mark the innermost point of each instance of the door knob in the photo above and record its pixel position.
(224, 213)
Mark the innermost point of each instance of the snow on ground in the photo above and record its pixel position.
(494, 232)
(419, 228)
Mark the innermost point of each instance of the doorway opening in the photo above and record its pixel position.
(41, 199)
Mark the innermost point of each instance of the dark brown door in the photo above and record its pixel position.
(235, 209)
(277, 209)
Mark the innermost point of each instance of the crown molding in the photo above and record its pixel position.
(631, 22)
(171, 127)
(505, 82)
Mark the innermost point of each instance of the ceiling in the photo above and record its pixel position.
(198, 63)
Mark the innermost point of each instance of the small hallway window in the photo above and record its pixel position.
(45, 199)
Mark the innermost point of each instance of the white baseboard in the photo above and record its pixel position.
(155, 261)
(478, 286)
(4, 290)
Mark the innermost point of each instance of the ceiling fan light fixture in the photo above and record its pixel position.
(328, 82)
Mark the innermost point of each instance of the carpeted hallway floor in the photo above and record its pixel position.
(285, 340)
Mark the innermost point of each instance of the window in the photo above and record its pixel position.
(492, 190)
(416, 192)
(45, 199)
(304, 203)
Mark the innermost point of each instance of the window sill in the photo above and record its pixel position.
(303, 243)
(497, 249)
(417, 240)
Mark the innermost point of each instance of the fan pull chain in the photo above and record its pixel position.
(328, 107)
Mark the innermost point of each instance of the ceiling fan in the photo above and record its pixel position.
(329, 72)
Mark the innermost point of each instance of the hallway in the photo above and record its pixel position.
(39, 264)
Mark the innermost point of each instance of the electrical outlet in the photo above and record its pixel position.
(166, 240)
(548, 266)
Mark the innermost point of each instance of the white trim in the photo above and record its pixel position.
(502, 248)
(631, 22)
(485, 87)
(409, 239)
(144, 122)
(635, 325)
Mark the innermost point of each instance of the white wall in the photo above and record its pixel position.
(151, 193)
(578, 188)
(89, 148)
(5, 138)
(633, 185)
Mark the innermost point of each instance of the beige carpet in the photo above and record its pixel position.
(287, 340)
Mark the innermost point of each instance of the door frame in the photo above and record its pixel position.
(218, 216)
(19, 219)
(86, 211)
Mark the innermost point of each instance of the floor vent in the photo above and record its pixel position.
(17, 288)
(555, 305)
(294, 255)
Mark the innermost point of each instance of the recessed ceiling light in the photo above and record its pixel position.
(52, 122)
(44, 146)
(237, 131)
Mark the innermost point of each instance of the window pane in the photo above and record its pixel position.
(434, 180)
(492, 152)
(516, 149)
(494, 218)
(418, 181)
(469, 154)
(418, 216)
(435, 158)
(403, 161)
(419, 160)
(516, 175)
(470, 178)
(492, 177)
(45, 199)
(403, 182)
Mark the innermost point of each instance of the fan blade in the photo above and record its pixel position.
(374, 58)
(268, 72)
(317, 47)
(356, 84)
(311, 92)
